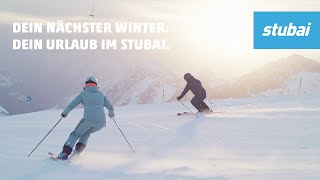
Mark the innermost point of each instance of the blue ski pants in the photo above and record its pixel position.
(82, 132)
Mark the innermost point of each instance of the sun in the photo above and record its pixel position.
(223, 24)
(220, 34)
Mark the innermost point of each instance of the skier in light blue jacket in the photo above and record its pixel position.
(94, 118)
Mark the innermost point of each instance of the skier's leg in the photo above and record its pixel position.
(195, 102)
(204, 106)
(82, 143)
(82, 127)
(84, 138)
(78, 132)
(79, 148)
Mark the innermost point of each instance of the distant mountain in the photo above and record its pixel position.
(150, 83)
(306, 83)
(140, 85)
(273, 75)
(10, 94)
(3, 112)
(7, 79)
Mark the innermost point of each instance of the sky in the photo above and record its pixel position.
(216, 34)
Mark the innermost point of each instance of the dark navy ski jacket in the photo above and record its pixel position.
(194, 85)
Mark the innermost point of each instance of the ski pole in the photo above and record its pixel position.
(188, 108)
(45, 136)
(209, 101)
(123, 134)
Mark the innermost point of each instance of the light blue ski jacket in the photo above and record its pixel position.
(93, 103)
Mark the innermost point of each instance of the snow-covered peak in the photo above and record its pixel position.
(306, 83)
(272, 76)
(291, 65)
(7, 79)
(142, 85)
(3, 112)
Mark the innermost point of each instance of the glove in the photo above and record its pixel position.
(111, 115)
(178, 98)
(63, 115)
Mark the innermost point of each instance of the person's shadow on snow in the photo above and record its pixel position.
(185, 133)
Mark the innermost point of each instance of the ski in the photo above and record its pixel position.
(54, 157)
(198, 113)
(184, 113)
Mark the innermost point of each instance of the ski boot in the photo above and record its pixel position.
(79, 148)
(207, 111)
(65, 152)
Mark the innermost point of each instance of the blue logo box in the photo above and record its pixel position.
(286, 30)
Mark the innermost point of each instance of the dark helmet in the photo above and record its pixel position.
(187, 76)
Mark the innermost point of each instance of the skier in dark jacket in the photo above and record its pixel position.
(199, 92)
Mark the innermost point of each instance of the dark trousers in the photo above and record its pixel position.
(197, 102)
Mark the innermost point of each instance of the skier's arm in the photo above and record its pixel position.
(184, 92)
(108, 105)
(72, 105)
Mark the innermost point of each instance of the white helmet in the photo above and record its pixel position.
(91, 79)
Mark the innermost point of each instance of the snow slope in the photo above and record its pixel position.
(257, 138)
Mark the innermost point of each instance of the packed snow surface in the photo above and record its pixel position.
(257, 138)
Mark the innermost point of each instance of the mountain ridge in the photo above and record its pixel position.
(154, 84)
(272, 75)
(3, 112)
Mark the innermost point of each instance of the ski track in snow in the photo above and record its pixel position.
(256, 138)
